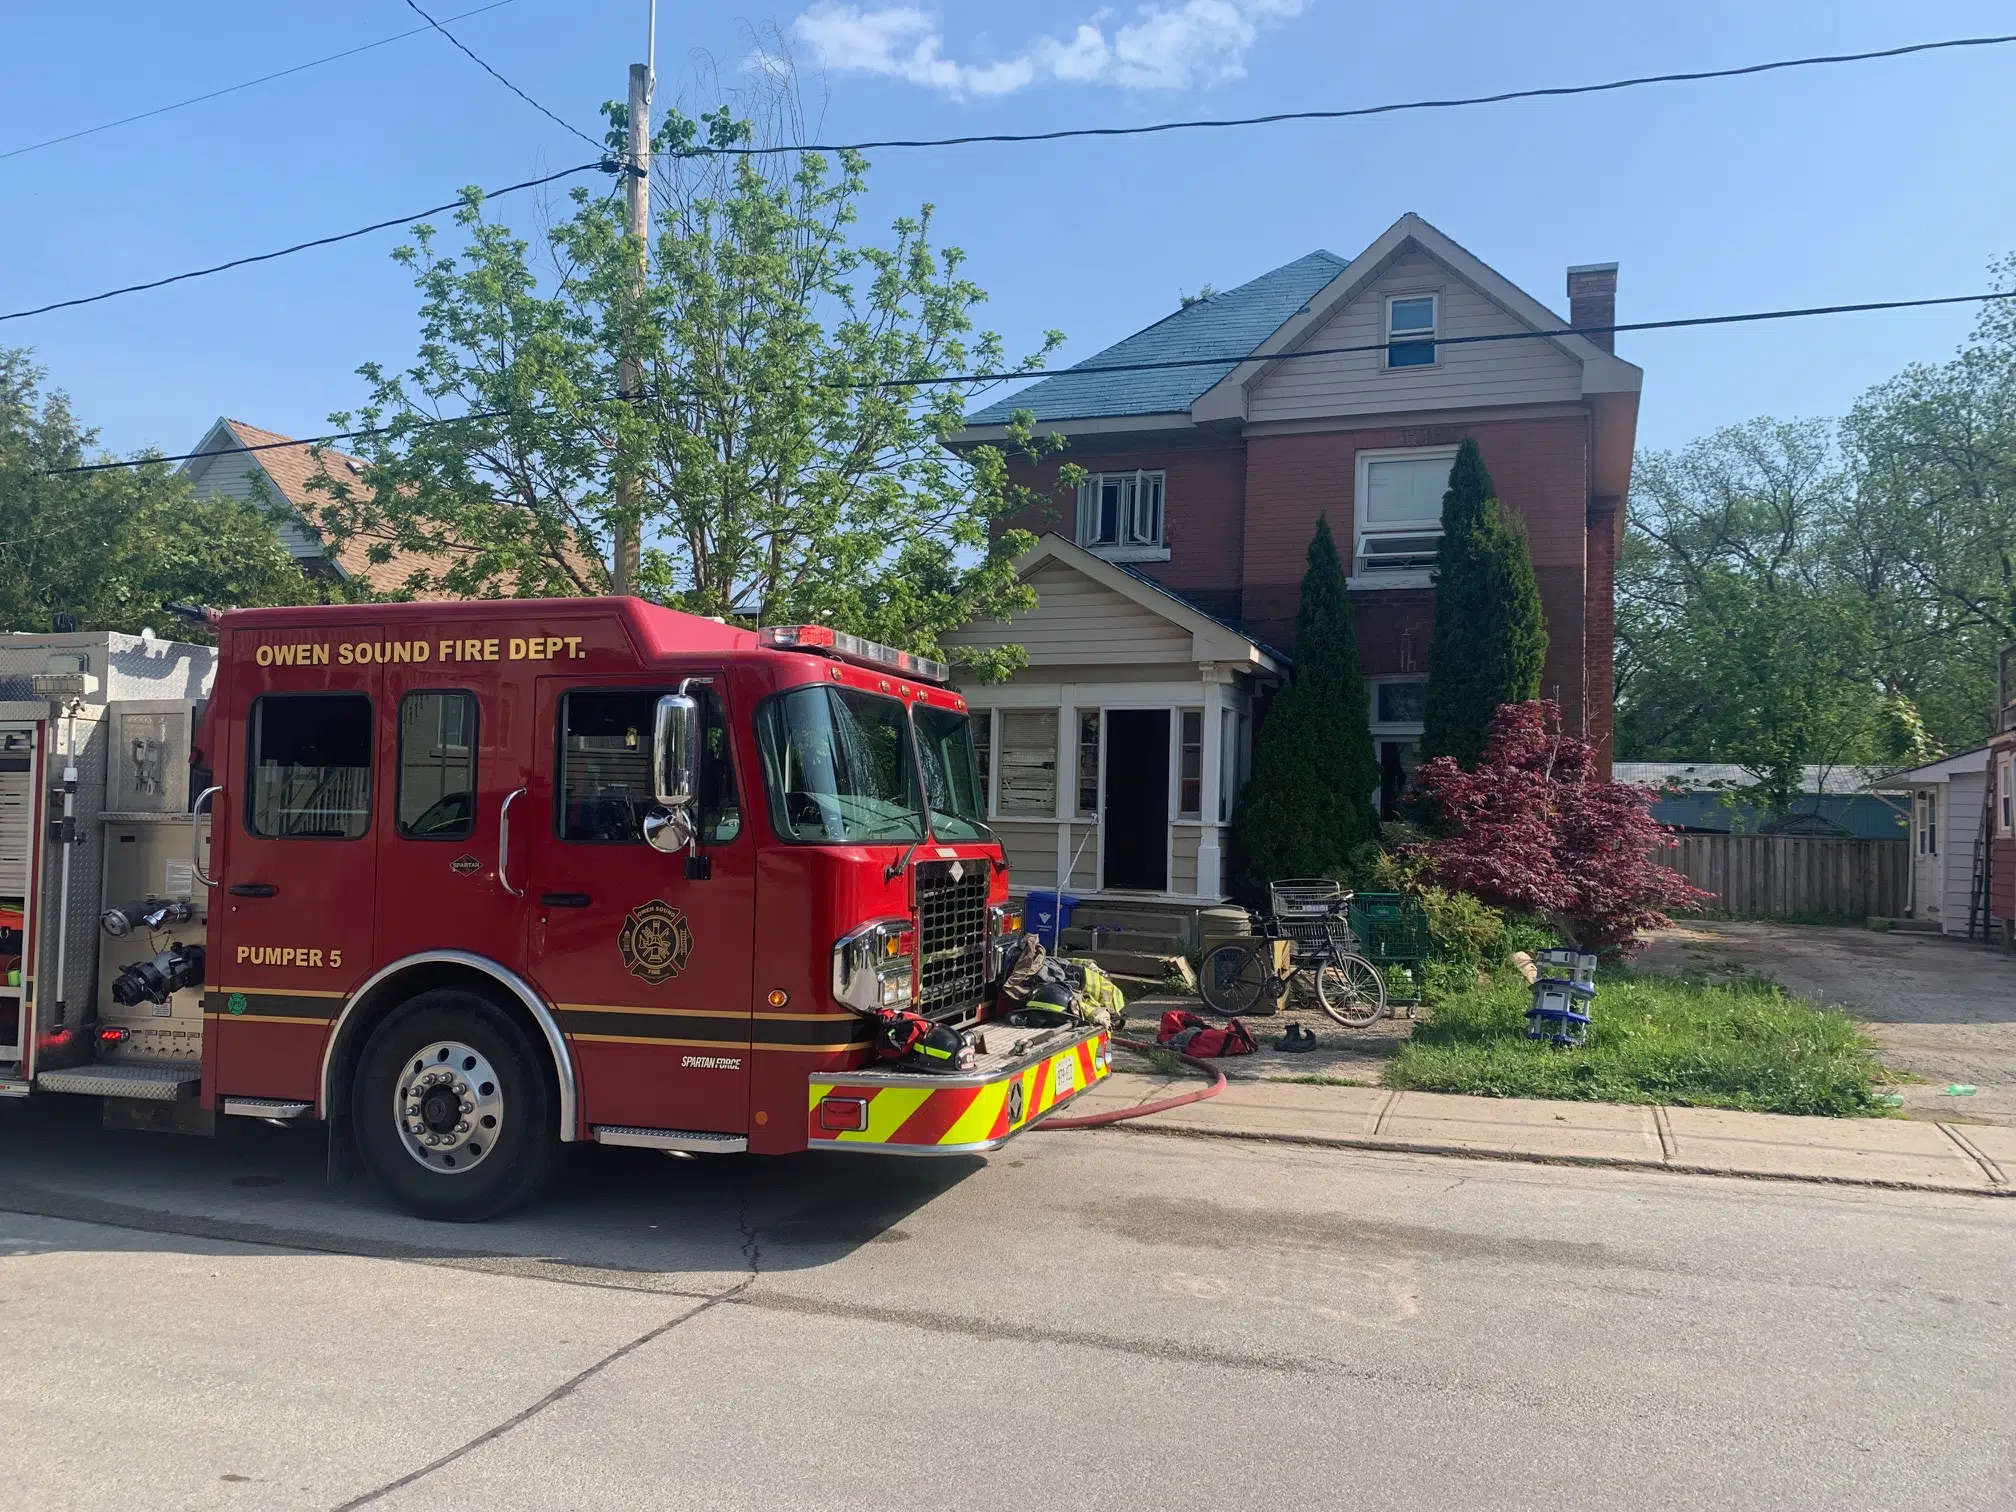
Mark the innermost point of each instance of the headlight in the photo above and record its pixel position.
(875, 966)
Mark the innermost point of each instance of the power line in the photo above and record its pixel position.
(1232, 359)
(145, 115)
(609, 165)
(464, 50)
(1554, 92)
(320, 241)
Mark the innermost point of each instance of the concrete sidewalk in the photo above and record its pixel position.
(1885, 1152)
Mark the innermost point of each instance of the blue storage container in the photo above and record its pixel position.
(1047, 915)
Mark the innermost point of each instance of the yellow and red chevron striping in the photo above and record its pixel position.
(945, 1118)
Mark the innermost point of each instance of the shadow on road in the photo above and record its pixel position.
(680, 1223)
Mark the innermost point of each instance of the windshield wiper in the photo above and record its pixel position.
(895, 868)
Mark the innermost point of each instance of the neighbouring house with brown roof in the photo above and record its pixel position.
(1214, 440)
(279, 474)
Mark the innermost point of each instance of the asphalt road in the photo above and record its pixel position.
(1097, 1320)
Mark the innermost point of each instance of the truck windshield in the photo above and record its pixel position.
(951, 780)
(838, 765)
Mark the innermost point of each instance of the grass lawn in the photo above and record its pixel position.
(1656, 1038)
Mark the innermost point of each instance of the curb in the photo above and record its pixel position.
(1520, 1157)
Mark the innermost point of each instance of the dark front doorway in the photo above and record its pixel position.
(1137, 799)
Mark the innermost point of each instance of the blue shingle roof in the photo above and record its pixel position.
(1236, 321)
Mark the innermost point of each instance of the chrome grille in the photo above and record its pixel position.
(951, 937)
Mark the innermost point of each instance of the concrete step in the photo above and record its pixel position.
(1908, 926)
(1129, 963)
(1134, 920)
(1134, 941)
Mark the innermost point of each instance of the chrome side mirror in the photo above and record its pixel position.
(669, 829)
(675, 760)
(671, 826)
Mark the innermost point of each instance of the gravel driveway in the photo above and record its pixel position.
(1940, 1009)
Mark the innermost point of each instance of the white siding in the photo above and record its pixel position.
(1085, 869)
(1959, 827)
(1183, 858)
(1032, 852)
(231, 477)
(1074, 616)
(1359, 383)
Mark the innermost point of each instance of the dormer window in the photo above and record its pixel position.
(1410, 330)
(1120, 514)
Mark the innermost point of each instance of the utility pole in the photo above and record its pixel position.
(628, 546)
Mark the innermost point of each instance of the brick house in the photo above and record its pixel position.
(1344, 388)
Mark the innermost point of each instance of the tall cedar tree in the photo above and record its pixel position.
(1490, 638)
(1309, 804)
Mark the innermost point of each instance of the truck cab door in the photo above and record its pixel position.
(292, 911)
(647, 960)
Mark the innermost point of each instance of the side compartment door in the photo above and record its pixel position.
(293, 906)
(650, 968)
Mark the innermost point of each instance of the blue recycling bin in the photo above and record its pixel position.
(1047, 915)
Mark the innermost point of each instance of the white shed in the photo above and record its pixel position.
(1948, 799)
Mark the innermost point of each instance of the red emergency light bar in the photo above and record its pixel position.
(853, 648)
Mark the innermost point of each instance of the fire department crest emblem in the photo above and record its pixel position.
(655, 942)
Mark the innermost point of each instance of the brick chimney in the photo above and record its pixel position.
(1592, 300)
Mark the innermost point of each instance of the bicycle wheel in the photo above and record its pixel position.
(1352, 991)
(1232, 979)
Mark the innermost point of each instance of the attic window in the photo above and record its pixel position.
(1119, 511)
(1410, 330)
(354, 465)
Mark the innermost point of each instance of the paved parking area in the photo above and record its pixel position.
(1939, 1009)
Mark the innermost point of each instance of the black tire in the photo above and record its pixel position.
(1352, 991)
(480, 1171)
(1233, 978)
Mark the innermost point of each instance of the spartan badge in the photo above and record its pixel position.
(465, 865)
(655, 942)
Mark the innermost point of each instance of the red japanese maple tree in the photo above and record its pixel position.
(1531, 830)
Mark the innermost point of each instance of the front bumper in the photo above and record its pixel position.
(894, 1111)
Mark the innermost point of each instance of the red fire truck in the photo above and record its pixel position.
(482, 879)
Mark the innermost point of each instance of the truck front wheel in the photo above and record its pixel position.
(453, 1109)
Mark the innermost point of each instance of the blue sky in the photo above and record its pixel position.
(1871, 181)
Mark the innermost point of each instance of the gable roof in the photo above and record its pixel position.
(1602, 372)
(1962, 763)
(287, 470)
(1211, 639)
(1236, 321)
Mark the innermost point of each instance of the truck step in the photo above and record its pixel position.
(13, 1087)
(266, 1107)
(670, 1139)
(143, 1083)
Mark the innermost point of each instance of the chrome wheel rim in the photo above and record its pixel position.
(448, 1107)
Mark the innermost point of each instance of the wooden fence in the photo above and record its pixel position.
(1796, 876)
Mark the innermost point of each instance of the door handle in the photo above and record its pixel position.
(565, 900)
(504, 842)
(196, 835)
(253, 889)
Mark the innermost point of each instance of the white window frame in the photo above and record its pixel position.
(1413, 334)
(1926, 813)
(2005, 794)
(1390, 577)
(1142, 527)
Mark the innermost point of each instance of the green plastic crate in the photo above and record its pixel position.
(1391, 928)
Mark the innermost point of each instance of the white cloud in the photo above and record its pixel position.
(1162, 46)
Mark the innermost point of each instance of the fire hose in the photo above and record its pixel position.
(1162, 1105)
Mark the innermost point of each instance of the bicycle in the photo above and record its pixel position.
(1309, 918)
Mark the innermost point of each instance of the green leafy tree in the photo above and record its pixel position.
(114, 547)
(790, 442)
(1308, 807)
(1759, 620)
(1489, 643)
